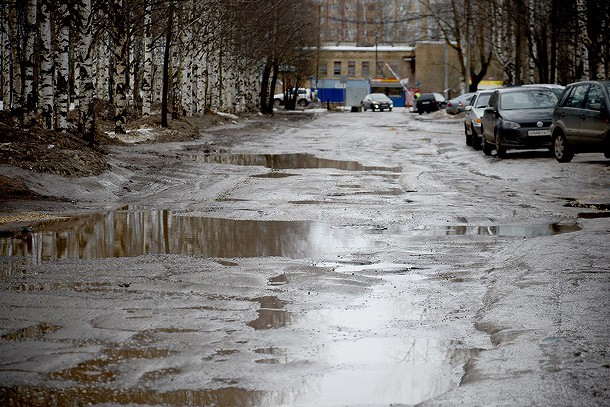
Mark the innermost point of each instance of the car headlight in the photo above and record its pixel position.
(510, 125)
(391, 104)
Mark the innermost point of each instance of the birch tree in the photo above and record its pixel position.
(47, 65)
(85, 69)
(29, 62)
(582, 41)
(148, 61)
(120, 66)
(63, 68)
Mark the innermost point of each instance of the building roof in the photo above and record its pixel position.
(379, 48)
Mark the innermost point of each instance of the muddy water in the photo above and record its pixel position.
(133, 231)
(288, 161)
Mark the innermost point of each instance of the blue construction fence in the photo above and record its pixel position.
(333, 91)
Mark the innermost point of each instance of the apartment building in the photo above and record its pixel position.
(371, 44)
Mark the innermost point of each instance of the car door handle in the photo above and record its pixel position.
(562, 114)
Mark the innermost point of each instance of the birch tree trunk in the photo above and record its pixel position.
(16, 57)
(6, 57)
(46, 66)
(175, 72)
(504, 39)
(148, 63)
(582, 42)
(532, 38)
(166, 63)
(120, 69)
(187, 72)
(29, 62)
(85, 65)
(63, 69)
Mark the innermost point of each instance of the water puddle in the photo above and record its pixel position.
(134, 231)
(31, 332)
(503, 230)
(78, 396)
(382, 371)
(270, 314)
(288, 161)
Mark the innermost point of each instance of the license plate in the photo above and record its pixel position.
(539, 133)
(425, 103)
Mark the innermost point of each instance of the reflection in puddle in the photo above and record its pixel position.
(278, 280)
(270, 315)
(382, 371)
(505, 230)
(105, 369)
(289, 161)
(130, 232)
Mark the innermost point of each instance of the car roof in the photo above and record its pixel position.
(516, 89)
(603, 82)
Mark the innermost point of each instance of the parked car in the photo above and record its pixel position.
(458, 104)
(430, 102)
(472, 119)
(377, 101)
(304, 97)
(581, 120)
(517, 118)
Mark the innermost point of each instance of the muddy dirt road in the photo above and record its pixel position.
(315, 259)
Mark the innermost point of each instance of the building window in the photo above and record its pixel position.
(337, 68)
(323, 70)
(366, 69)
(351, 68)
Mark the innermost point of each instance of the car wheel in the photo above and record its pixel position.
(302, 103)
(500, 149)
(487, 148)
(476, 141)
(562, 150)
(420, 111)
(390, 109)
(277, 102)
(468, 135)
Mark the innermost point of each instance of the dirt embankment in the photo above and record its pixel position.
(69, 155)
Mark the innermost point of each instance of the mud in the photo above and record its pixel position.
(320, 260)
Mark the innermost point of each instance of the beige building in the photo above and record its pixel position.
(378, 42)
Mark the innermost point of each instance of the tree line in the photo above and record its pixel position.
(188, 56)
(533, 41)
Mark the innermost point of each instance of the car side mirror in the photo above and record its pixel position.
(468, 108)
(490, 110)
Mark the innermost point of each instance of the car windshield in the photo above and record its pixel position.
(538, 99)
(379, 96)
(483, 99)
